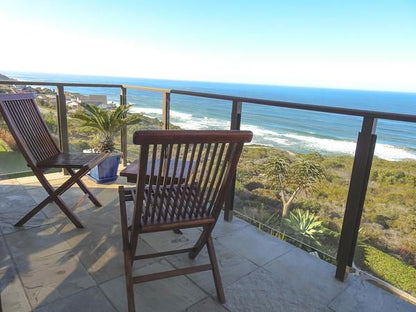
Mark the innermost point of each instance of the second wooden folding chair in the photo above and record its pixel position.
(31, 134)
(204, 163)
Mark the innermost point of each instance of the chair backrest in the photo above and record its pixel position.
(27, 126)
(190, 172)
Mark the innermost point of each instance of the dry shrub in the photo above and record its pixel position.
(7, 137)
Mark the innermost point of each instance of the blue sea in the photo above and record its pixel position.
(294, 130)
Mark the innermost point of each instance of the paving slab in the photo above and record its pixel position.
(36, 242)
(363, 296)
(13, 297)
(14, 205)
(9, 219)
(91, 299)
(232, 266)
(208, 304)
(104, 260)
(168, 240)
(172, 294)
(16, 200)
(7, 182)
(310, 278)
(261, 291)
(73, 198)
(31, 180)
(98, 225)
(56, 276)
(255, 245)
(5, 259)
(10, 186)
(225, 228)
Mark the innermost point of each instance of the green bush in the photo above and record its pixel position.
(3, 146)
(387, 268)
(308, 205)
(252, 185)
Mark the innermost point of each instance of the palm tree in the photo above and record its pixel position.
(107, 122)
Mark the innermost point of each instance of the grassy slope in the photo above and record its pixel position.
(386, 267)
(389, 218)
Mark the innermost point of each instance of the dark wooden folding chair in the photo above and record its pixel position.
(193, 198)
(31, 134)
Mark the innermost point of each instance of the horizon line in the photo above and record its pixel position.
(217, 81)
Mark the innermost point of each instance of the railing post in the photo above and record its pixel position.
(166, 110)
(62, 121)
(123, 139)
(235, 125)
(364, 153)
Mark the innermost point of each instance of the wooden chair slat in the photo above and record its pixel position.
(175, 168)
(181, 178)
(186, 186)
(217, 179)
(212, 177)
(194, 184)
(166, 171)
(206, 172)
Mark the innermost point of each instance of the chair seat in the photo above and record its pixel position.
(182, 215)
(72, 160)
(131, 170)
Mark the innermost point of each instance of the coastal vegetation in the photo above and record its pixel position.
(388, 228)
(289, 178)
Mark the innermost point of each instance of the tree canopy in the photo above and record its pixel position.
(290, 178)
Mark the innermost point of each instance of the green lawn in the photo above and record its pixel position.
(12, 162)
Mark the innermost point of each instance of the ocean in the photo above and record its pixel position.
(290, 129)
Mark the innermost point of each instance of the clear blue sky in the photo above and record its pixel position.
(344, 44)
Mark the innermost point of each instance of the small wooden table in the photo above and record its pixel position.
(131, 170)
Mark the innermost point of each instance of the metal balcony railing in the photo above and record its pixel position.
(364, 152)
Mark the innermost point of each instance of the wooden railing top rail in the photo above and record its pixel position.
(309, 107)
(55, 83)
(151, 89)
(292, 105)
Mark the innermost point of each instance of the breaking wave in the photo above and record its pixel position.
(294, 141)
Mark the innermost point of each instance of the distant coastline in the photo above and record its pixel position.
(293, 130)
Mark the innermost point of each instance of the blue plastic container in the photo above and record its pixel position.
(106, 171)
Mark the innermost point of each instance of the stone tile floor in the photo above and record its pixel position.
(49, 265)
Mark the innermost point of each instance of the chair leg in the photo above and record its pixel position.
(34, 211)
(128, 257)
(84, 188)
(215, 270)
(54, 196)
(74, 219)
(128, 268)
(201, 242)
(71, 216)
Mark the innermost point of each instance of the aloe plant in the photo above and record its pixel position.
(305, 223)
(107, 122)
